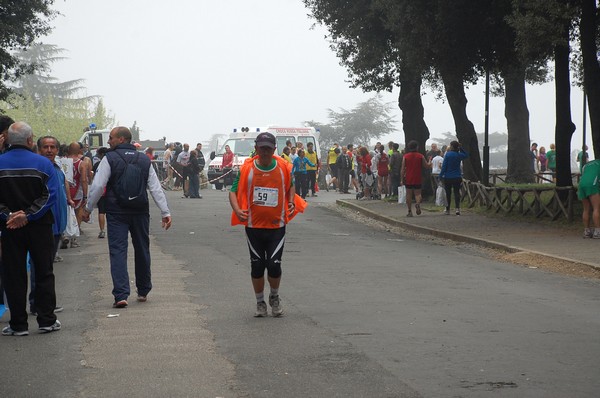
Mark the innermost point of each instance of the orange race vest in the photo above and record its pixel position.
(265, 195)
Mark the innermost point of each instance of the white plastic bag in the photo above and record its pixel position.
(328, 179)
(72, 229)
(440, 197)
(401, 194)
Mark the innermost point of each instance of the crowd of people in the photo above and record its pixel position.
(44, 200)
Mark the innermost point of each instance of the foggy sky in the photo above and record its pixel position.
(189, 69)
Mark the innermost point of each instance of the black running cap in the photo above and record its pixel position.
(265, 139)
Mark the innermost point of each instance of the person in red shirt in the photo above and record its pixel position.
(227, 165)
(413, 163)
(366, 174)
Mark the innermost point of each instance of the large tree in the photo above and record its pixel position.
(589, 32)
(23, 21)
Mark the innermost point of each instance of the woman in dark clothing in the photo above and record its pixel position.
(194, 176)
(451, 174)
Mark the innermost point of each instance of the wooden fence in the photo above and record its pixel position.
(525, 201)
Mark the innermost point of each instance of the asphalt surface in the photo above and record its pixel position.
(369, 313)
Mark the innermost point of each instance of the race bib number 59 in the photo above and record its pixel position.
(266, 196)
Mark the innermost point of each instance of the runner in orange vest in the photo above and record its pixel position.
(264, 200)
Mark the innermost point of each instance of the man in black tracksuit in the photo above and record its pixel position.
(28, 190)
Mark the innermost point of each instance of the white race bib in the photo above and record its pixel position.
(268, 197)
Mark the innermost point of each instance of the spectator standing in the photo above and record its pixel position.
(263, 199)
(551, 161)
(332, 156)
(582, 158)
(79, 186)
(451, 174)
(311, 171)
(395, 169)
(183, 159)
(194, 177)
(286, 154)
(589, 194)
(343, 166)
(201, 165)
(413, 164)
(383, 171)
(167, 159)
(366, 174)
(122, 220)
(227, 167)
(300, 174)
(28, 191)
(101, 152)
(533, 153)
(5, 123)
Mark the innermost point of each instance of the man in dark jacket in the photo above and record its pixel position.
(28, 190)
(122, 220)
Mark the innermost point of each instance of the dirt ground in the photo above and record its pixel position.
(523, 259)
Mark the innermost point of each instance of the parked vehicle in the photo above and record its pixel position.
(241, 143)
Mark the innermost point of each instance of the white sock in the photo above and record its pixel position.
(260, 297)
(274, 292)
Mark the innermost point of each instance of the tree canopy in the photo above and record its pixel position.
(23, 21)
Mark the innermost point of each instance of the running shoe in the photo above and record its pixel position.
(596, 234)
(458, 212)
(74, 243)
(409, 214)
(8, 331)
(588, 233)
(447, 212)
(120, 304)
(142, 299)
(101, 235)
(58, 259)
(52, 328)
(65, 243)
(261, 310)
(418, 208)
(275, 304)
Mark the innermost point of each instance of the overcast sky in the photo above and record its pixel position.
(188, 69)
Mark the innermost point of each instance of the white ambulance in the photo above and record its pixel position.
(241, 143)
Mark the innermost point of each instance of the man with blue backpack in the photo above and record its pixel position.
(127, 174)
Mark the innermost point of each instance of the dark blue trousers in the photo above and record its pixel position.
(39, 241)
(119, 226)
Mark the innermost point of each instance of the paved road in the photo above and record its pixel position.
(369, 314)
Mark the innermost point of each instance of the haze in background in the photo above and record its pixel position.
(190, 69)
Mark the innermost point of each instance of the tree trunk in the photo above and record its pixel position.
(465, 131)
(520, 169)
(564, 125)
(413, 122)
(591, 69)
(409, 101)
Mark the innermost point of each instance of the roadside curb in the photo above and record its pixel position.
(458, 237)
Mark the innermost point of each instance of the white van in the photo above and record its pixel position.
(241, 142)
(95, 138)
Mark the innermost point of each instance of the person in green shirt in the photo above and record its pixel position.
(589, 194)
(551, 161)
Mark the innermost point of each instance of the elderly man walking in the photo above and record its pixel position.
(28, 191)
(124, 218)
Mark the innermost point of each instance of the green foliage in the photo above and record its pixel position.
(23, 21)
(52, 107)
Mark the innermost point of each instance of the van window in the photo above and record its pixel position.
(239, 146)
(305, 140)
(281, 140)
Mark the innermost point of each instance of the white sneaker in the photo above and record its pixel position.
(596, 233)
(261, 310)
(275, 304)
